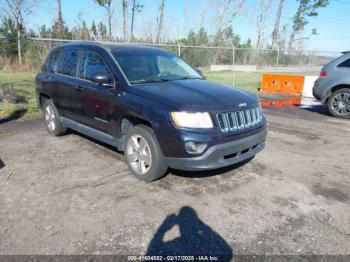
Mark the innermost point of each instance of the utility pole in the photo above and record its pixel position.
(125, 20)
(160, 21)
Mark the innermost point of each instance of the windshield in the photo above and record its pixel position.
(148, 67)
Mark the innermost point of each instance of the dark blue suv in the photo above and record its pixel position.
(150, 104)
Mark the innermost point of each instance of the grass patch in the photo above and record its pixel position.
(246, 80)
(23, 83)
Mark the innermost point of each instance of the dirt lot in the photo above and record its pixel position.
(71, 195)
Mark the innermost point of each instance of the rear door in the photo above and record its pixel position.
(67, 81)
(48, 77)
(95, 99)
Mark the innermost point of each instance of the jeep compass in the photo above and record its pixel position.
(150, 104)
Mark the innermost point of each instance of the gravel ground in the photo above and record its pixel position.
(72, 195)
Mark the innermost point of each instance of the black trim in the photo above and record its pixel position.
(222, 155)
(91, 132)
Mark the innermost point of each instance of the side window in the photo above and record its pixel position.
(51, 64)
(346, 63)
(92, 63)
(69, 62)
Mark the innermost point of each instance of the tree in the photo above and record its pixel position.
(263, 7)
(107, 4)
(125, 19)
(54, 31)
(18, 10)
(224, 12)
(8, 29)
(81, 30)
(93, 30)
(160, 21)
(230, 38)
(307, 8)
(102, 30)
(60, 18)
(136, 8)
(276, 30)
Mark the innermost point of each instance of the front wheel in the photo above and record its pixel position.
(143, 154)
(339, 103)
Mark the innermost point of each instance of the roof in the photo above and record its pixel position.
(115, 46)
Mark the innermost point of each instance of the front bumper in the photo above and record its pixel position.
(222, 155)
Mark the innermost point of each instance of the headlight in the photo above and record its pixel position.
(192, 120)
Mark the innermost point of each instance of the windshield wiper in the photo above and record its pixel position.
(190, 77)
(149, 80)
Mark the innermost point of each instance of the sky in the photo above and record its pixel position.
(182, 15)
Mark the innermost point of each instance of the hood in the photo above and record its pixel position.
(195, 95)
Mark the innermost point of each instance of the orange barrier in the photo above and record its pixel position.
(285, 84)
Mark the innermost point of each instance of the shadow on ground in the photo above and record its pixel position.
(319, 109)
(15, 115)
(194, 238)
(1, 164)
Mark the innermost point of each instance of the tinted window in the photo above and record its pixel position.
(69, 62)
(52, 62)
(346, 63)
(171, 66)
(137, 67)
(152, 66)
(92, 63)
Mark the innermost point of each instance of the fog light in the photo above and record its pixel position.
(195, 147)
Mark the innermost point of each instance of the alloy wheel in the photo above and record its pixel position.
(341, 104)
(50, 118)
(138, 154)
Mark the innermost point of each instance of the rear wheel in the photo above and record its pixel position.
(143, 154)
(51, 119)
(339, 103)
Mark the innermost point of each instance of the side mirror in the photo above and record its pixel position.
(101, 78)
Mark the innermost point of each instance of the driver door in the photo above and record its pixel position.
(96, 99)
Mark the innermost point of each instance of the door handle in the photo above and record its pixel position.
(80, 88)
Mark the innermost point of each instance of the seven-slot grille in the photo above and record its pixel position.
(239, 120)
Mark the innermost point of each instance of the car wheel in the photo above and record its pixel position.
(52, 119)
(339, 103)
(143, 154)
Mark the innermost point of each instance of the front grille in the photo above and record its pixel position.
(239, 120)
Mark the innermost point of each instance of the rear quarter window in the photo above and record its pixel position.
(69, 62)
(51, 64)
(345, 63)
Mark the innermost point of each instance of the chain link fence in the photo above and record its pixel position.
(229, 65)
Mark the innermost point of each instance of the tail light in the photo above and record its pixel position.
(323, 74)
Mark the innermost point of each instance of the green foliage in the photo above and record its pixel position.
(104, 3)
(8, 28)
(99, 31)
(307, 8)
(54, 31)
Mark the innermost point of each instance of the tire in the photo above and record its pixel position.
(342, 95)
(145, 160)
(52, 119)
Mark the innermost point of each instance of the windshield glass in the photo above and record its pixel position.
(148, 67)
